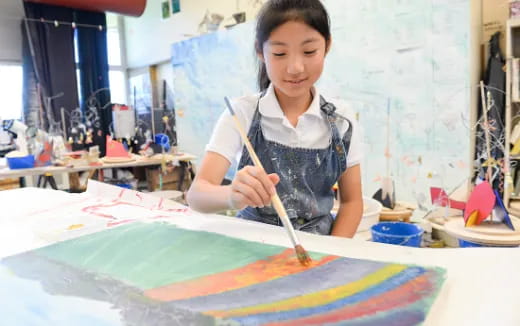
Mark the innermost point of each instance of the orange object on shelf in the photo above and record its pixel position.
(123, 7)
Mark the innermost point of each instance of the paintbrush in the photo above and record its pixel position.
(301, 253)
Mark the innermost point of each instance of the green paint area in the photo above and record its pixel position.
(152, 255)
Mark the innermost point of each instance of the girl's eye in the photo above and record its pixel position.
(310, 52)
(278, 54)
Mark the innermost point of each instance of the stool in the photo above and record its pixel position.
(47, 178)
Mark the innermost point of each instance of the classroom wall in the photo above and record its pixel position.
(149, 37)
(415, 60)
(11, 12)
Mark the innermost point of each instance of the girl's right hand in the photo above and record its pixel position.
(252, 187)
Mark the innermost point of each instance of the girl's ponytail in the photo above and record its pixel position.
(263, 79)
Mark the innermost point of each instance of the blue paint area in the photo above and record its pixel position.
(25, 302)
(391, 283)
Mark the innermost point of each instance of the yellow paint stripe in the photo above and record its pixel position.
(317, 298)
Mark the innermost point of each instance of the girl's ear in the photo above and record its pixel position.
(328, 45)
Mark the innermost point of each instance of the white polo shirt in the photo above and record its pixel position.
(312, 130)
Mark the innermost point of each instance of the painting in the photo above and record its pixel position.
(165, 8)
(160, 274)
(176, 6)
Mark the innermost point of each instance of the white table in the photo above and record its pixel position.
(482, 285)
(18, 173)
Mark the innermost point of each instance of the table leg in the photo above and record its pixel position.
(74, 185)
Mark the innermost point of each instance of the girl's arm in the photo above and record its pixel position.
(250, 187)
(206, 193)
(351, 203)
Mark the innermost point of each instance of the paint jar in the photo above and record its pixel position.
(397, 233)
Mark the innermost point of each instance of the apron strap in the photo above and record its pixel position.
(341, 146)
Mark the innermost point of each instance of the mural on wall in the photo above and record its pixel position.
(413, 55)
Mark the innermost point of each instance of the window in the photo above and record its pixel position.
(116, 73)
(117, 86)
(11, 88)
(114, 48)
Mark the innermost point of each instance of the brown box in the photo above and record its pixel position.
(170, 180)
(6, 184)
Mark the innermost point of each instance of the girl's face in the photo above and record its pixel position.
(294, 55)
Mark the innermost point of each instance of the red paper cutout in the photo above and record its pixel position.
(115, 149)
(482, 199)
(440, 197)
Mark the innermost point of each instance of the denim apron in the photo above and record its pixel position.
(306, 175)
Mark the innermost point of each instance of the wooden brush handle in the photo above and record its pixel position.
(249, 147)
(280, 210)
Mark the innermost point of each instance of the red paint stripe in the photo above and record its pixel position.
(93, 211)
(159, 206)
(110, 224)
(403, 295)
(176, 210)
(260, 271)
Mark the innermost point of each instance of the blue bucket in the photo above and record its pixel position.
(397, 233)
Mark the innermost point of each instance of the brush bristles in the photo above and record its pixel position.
(302, 255)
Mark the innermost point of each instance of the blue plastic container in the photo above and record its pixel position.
(163, 140)
(469, 244)
(397, 233)
(24, 162)
(124, 185)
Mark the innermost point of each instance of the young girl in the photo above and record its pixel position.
(305, 143)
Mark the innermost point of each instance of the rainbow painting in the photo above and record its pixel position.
(159, 274)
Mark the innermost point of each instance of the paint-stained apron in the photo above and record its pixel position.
(306, 175)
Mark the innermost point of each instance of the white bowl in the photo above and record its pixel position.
(372, 209)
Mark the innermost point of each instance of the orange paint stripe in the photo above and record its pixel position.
(260, 271)
(405, 294)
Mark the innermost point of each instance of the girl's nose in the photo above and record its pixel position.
(295, 65)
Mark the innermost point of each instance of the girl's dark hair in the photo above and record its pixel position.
(277, 12)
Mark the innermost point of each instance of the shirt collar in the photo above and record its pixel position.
(269, 106)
